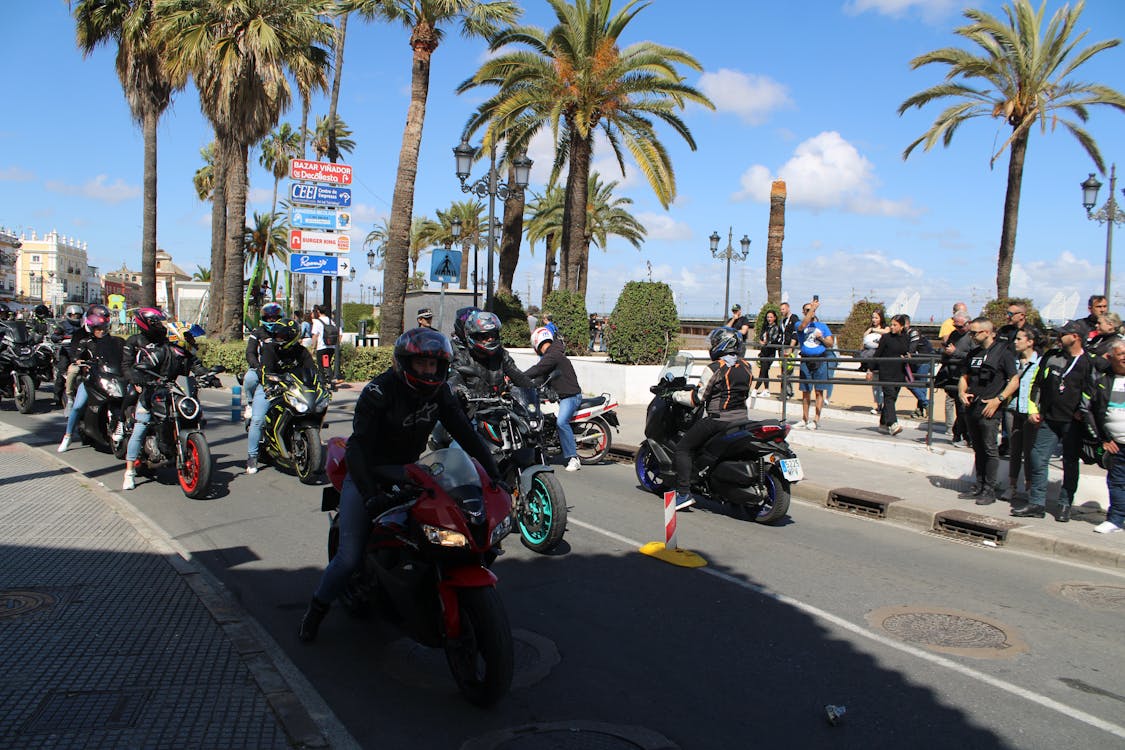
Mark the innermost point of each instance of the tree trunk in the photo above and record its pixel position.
(574, 210)
(548, 268)
(1011, 215)
(148, 220)
(218, 237)
(464, 282)
(583, 269)
(513, 235)
(236, 235)
(774, 241)
(402, 203)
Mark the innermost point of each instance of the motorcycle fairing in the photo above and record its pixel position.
(460, 578)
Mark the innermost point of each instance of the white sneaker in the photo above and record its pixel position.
(247, 411)
(875, 412)
(130, 481)
(801, 425)
(64, 444)
(896, 428)
(765, 394)
(813, 425)
(1106, 527)
(573, 464)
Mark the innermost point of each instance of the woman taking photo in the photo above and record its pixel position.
(770, 342)
(889, 366)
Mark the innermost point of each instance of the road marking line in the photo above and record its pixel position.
(820, 614)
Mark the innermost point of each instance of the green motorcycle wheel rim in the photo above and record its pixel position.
(537, 516)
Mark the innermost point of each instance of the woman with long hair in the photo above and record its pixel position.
(871, 338)
(890, 367)
(770, 341)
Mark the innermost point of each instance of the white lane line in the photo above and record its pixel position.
(820, 614)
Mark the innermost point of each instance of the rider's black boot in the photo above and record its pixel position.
(310, 623)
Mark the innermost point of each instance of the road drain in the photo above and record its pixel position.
(949, 631)
(21, 604)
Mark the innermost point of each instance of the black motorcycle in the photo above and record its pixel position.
(749, 465)
(17, 365)
(291, 433)
(45, 356)
(101, 421)
(175, 433)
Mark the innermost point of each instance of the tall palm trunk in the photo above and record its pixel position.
(574, 210)
(297, 285)
(236, 234)
(1011, 215)
(148, 220)
(218, 237)
(774, 241)
(402, 203)
(513, 234)
(548, 267)
(333, 151)
(464, 282)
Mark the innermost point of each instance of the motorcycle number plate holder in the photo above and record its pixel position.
(791, 469)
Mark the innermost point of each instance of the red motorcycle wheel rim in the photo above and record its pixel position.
(189, 473)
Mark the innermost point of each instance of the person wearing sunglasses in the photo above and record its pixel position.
(989, 381)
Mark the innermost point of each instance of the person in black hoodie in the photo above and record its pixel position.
(891, 371)
(552, 359)
(98, 345)
(263, 334)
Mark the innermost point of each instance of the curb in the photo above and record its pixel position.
(255, 647)
(903, 512)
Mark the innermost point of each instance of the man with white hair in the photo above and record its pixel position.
(947, 324)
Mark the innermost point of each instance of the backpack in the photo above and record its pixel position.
(331, 334)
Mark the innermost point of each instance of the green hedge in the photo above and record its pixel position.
(850, 335)
(355, 312)
(357, 364)
(568, 310)
(996, 310)
(513, 319)
(644, 325)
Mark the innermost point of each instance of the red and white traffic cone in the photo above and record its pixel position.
(669, 550)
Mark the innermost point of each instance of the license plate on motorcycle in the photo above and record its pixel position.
(791, 469)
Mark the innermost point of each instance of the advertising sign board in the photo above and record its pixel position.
(320, 171)
(304, 241)
(320, 218)
(308, 194)
(319, 265)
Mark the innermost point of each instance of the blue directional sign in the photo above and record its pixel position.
(445, 266)
(320, 218)
(320, 195)
(318, 265)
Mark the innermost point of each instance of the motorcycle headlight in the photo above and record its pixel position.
(502, 530)
(297, 402)
(444, 537)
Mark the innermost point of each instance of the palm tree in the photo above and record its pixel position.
(148, 84)
(267, 240)
(440, 232)
(201, 274)
(544, 222)
(322, 136)
(376, 239)
(239, 52)
(774, 241)
(607, 216)
(278, 149)
(204, 178)
(577, 80)
(1027, 71)
(424, 19)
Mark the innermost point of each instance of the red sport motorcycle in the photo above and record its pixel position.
(426, 566)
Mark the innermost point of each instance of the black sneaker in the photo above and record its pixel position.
(1029, 511)
(310, 623)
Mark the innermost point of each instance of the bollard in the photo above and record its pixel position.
(668, 550)
(236, 403)
(670, 520)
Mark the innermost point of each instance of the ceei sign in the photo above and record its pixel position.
(320, 171)
(302, 241)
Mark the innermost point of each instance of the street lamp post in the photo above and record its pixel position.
(1107, 214)
(491, 186)
(729, 254)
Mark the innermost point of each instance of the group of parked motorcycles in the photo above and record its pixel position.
(26, 362)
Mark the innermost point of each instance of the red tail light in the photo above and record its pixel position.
(774, 432)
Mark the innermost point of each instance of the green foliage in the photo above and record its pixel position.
(355, 312)
(229, 354)
(644, 325)
(509, 308)
(568, 309)
(850, 336)
(363, 363)
(996, 311)
(760, 325)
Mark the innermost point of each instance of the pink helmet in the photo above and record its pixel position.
(539, 336)
(151, 322)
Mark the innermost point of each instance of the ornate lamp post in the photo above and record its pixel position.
(491, 186)
(1107, 214)
(729, 254)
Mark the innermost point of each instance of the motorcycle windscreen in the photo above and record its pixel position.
(17, 332)
(453, 471)
(677, 366)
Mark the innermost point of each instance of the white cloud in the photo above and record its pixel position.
(752, 97)
(15, 174)
(663, 227)
(98, 189)
(363, 216)
(825, 172)
(930, 10)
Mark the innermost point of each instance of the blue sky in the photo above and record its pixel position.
(806, 91)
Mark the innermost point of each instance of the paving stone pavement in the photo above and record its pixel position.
(109, 639)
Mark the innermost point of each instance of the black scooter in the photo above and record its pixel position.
(17, 365)
(749, 465)
(101, 421)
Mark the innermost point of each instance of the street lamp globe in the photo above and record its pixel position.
(521, 165)
(371, 259)
(714, 241)
(351, 274)
(463, 154)
(455, 227)
(745, 243)
(1090, 188)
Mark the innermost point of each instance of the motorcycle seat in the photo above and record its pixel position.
(587, 403)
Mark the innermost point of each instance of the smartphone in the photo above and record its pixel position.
(816, 298)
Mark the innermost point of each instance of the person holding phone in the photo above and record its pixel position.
(815, 340)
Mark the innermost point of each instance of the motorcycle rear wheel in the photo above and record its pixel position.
(648, 471)
(776, 506)
(25, 394)
(482, 660)
(594, 440)
(541, 515)
(195, 472)
(308, 454)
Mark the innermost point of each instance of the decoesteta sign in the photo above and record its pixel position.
(320, 171)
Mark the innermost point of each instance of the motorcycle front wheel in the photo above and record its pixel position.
(593, 439)
(25, 394)
(648, 471)
(776, 505)
(482, 659)
(308, 454)
(542, 513)
(195, 471)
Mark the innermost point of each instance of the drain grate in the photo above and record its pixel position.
(83, 711)
(23, 604)
(949, 631)
(860, 502)
(973, 526)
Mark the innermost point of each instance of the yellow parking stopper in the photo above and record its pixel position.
(668, 551)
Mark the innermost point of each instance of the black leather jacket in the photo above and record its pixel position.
(170, 361)
(485, 377)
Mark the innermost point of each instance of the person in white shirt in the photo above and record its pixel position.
(324, 352)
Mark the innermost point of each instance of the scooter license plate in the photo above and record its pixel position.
(791, 469)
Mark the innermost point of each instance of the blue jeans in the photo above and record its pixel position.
(140, 426)
(257, 419)
(354, 526)
(1115, 480)
(921, 370)
(1050, 433)
(814, 369)
(567, 407)
(831, 371)
(249, 386)
(76, 409)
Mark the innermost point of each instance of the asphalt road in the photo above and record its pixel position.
(923, 640)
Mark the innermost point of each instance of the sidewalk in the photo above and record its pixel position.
(110, 638)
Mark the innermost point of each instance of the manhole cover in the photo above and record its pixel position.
(1094, 596)
(422, 667)
(86, 710)
(572, 735)
(18, 604)
(949, 631)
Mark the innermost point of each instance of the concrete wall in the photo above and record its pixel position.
(629, 384)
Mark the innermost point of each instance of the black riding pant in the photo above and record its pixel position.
(697, 435)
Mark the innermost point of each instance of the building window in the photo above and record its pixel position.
(34, 258)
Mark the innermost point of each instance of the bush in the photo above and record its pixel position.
(365, 362)
(514, 331)
(644, 325)
(849, 338)
(354, 312)
(229, 354)
(996, 312)
(568, 310)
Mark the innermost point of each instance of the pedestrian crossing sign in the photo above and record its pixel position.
(445, 266)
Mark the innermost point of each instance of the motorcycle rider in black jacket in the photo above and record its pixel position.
(263, 334)
(482, 367)
(393, 417)
(96, 344)
(70, 326)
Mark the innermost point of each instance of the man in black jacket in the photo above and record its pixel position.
(552, 359)
(1103, 409)
(990, 379)
(481, 367)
